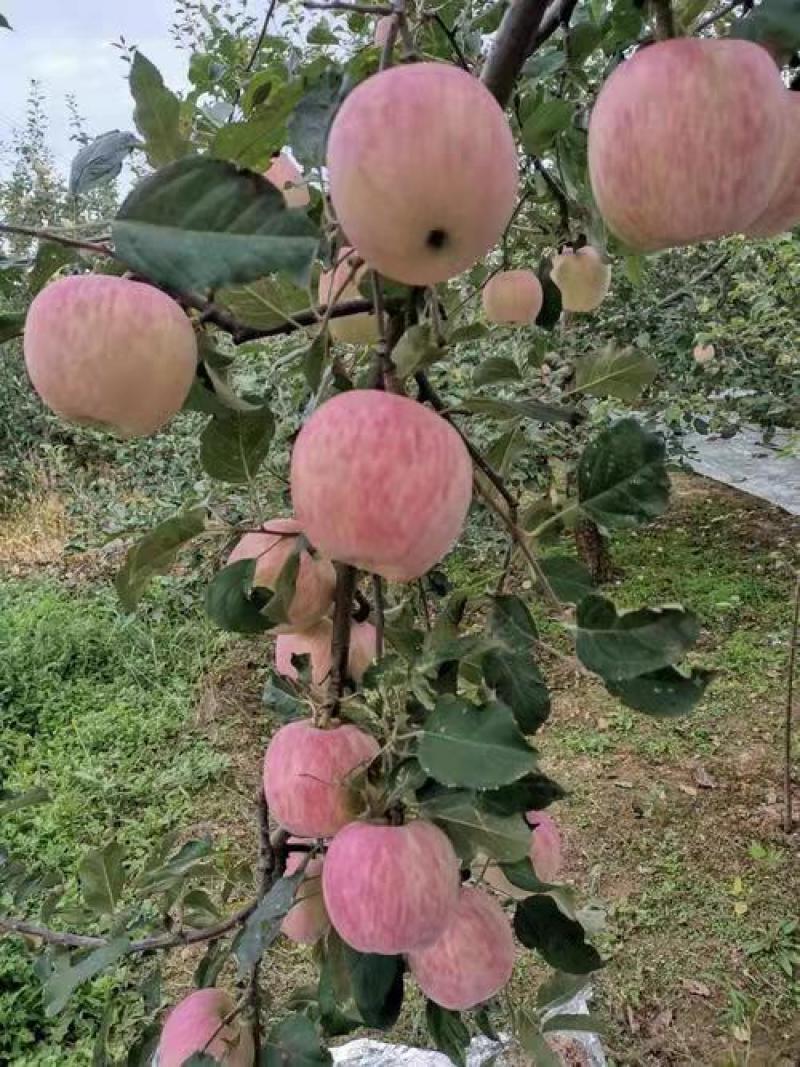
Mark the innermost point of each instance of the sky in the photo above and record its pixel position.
(66, 45)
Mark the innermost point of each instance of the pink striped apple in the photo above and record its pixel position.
(317, 643)
(513, 296)
(390, 889)
(583, 278)
(308, 772)
(316, 578)
(193, 1022)
(307, 920)
(106, 351)
(423, 171)
(334, 285)
(683, 141)
(285, 175)
(783, 210)
(472, 959)
(545, 849)
(381, 482)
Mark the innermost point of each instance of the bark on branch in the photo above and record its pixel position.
(512, 46)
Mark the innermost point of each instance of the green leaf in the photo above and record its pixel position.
(773, 22)
(294, 1042)
(665, 693)
(512, 671)
(560, 941)
(575, 1022)
(321, 34)
(157, 113)
(505, 838)
(265, 302)
(512, 621)
(635, 269)
(276, 611)
(522, 875)
(100, 160)
(281, 699)
(233, 446)
(537, 1050)
(550, 314)
(314, 360)
(473, 331)
(264, 925)
(631, 643)
(310, 121)
(201, 223)
(376, 983)
(100, 1056)
(190, 859)
(17, 801)
(416, 348)
(231, 602)
(102, 877)
(518, 409)
(533, 792)
(621, 372)
(199, 909)
(544, 64)
(570, 580)
(252, 143)
(496, 369)
(506, 448)
(155, 554)
(210, 966)
(12, 324)
(66, 977)
(544, 123)
(50, 257)
(4, 23)
(479, 747)
(560, 988)
(622, 476)
(448, 1031)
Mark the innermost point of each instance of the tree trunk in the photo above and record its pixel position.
(593, 550)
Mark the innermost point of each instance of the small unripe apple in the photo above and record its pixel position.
(683, 141)
(316, 577)
(382, 28)
(191, 1024)
(317, 643)
(334, 285)
(472, 959)
(703, 354)
(545, 850)
(307, 920)
(307, 774)
(381, 482)
(390, 889)
(583, 278)
(783, 210)
(513, 296)
(285, 175)
(423, 171)
(106, 351)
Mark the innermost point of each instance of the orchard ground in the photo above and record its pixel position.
(147, 724)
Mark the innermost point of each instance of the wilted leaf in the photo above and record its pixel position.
(233, 446)
(664, 693)
(201, 223)
(281, 699)
(505, 838)
(448, 1032)
(631, 643)
(155, 554)
(66, 977)
(102, 877)
(622, 477)
(100, 160)
(621, 372)
(156, 114)
(540, 925)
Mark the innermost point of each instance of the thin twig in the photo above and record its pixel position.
(253, 55)
(788, 821)
(688, 290)
(235, 1010)
(56, 238)
(557, 193)
(451, 37)
(341, 5)
(426, 611)
(380, 620)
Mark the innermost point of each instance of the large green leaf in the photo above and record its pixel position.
(232, 603)
(253, 142)
(624, 645)
(544, 123)
(266, 302)
(664, 694)
(310, 121)
(376, 983)
(294, 1042)
(511, 670)
(569, 579)
(264, 925)
(540, 925)
(102, 877)
(505, 838)
(496, 369)
(163, 875)
(559, 988)
(512, 622)
(480, 747)
(201, 223)
(12, 324)
(448, 1031)
(66, 977)
(533, 792)
(621, 372)
(100, 160)
(773, 22)
(234, 445)
(622, 476)
(155, 554)
(157, 113)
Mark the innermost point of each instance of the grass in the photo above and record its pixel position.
(145, 724)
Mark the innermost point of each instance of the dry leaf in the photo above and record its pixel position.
(696, 988)
(704, 779)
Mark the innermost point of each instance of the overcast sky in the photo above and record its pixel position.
(66, 45)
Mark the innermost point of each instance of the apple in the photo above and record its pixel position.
(472, 959)
(381, 482)
(583, 278)
(285, 175)
(334, 285)
(703, 354)
(545, 849)
(317, 643)
(423, 171)
(106, 351)
(307, 920)
(390, 889)
(513, 296)
(192, 1023)
(316, 577)
(307, 772)
(683, 141)
(783, 210)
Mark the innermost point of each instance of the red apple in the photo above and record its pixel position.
(423, 171)
(191, 1024)
(683, 141)
(334, 285)
(545, 850)
(307, 920)
(317, 643)
(472, 959)
(307, 774)
(513, 296)
(381, 482)
(390, 889)
(316, 578)
(583, 278)
(105, 351)
(285, 175)
(783, 210)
